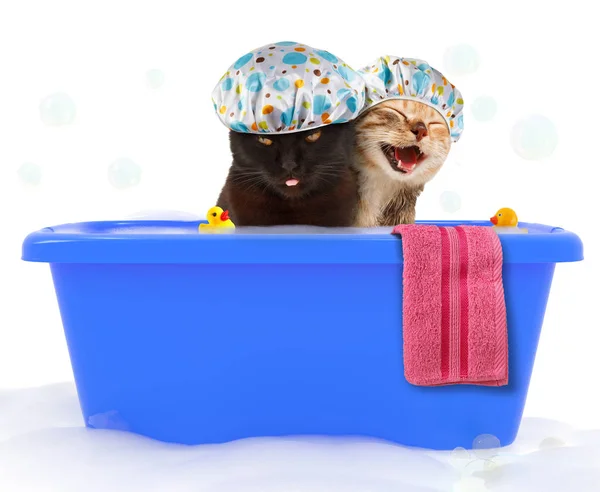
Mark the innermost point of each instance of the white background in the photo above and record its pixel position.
(536, 58)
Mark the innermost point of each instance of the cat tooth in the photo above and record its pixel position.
(406, 167)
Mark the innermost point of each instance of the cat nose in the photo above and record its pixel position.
(420, 130)
(289, 165)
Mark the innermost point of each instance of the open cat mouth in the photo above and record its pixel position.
(403, 159)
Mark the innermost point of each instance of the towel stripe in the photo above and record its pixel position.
(455, 322)
(464, 303)
(455, 306)
(501, 362)
(445, 342)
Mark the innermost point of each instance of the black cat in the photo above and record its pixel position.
(304, 177)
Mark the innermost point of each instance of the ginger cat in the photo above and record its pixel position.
(400, 146)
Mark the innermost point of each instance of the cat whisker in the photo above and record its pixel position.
(250, 181)
(247, 179)
(339, 166)
(326, 174)
(382, 137)
(291, 182)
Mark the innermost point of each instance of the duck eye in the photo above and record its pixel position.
(265, 141)
(313, 137)
(499, 215)
(214, 214)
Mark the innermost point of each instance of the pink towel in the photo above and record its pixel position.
(454, 315)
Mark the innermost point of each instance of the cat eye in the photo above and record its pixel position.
(265, 141)
(313, 137)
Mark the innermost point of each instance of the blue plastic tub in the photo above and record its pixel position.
(196, 339)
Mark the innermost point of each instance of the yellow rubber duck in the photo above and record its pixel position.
(506, 220)
(218, 220)
(505, 217)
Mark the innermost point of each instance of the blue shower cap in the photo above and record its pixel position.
(392, 77)
(285, 87)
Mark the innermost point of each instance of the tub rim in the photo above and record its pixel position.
(129, 242)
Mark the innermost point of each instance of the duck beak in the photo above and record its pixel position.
(225, 215)
(494, 220)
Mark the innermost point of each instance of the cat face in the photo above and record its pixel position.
(407, 140)
(295, 164)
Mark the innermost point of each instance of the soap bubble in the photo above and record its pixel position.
(485, 446)
(124, 173)
(30, 173)
(484, 108)
(460, 458)
(461, 59)
(450, 201)
(155, 78)
(534, 137)
(57, 109)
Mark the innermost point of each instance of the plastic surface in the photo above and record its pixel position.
(179, 242)
(176, 339)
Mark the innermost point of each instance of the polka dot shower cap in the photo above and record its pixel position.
(287, 86)
(391, 77)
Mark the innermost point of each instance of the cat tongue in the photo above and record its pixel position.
(292, 182)
(406, 157)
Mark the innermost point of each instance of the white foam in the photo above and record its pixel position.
(159, 214)
(44, 446)
(302, 229)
